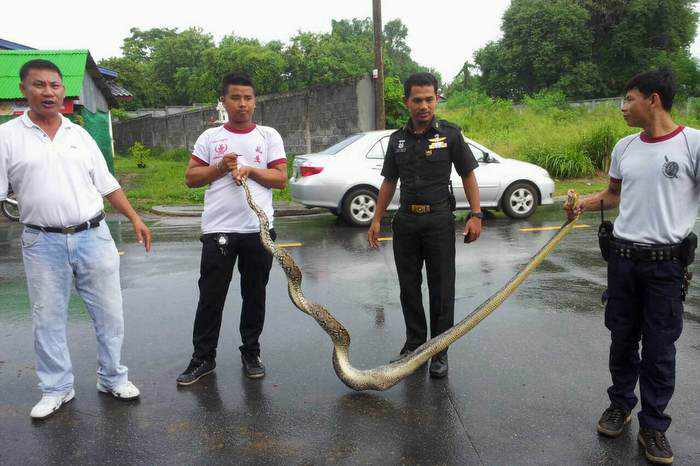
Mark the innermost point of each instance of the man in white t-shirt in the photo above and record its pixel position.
(222, 157)
(60, 177)
(655, 180)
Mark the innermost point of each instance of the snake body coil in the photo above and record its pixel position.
(388, 375)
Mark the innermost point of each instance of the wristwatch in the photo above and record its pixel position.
(479, 215)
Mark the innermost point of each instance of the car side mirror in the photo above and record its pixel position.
(486, 158)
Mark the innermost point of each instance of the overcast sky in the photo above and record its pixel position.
(442, 35)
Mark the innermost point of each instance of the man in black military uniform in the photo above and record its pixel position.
(421, 155)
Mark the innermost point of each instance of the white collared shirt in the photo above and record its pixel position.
(58, 183)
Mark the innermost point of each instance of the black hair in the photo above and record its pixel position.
(235, 79)
(38, 64)
(419, 79)
(662, 82)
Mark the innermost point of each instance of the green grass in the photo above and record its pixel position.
(581, 185)
(162, 182)
(569, 142)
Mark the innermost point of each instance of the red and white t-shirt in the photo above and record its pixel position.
(225, 206)
(660, 193)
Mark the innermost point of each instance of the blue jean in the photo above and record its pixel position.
(52, 262)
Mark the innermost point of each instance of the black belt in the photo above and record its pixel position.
(441, 206)
(92, 223)
(646, 252)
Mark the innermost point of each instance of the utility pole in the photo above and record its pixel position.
(379, 112)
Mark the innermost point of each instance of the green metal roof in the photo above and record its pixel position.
(72, 64)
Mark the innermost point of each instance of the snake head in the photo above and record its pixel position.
(571, 199)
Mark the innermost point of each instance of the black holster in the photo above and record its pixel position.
(451, 198)
(605, 236)
(688, 246)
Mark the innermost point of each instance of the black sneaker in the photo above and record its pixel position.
(613, 421)
(195, 371)
(404, 352)
(438, 366)
(252, 366)
(656, 446)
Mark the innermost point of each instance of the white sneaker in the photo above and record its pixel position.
(49, 404)
(126, 391)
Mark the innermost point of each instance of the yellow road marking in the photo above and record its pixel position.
(289, 245)
(385, 238)
(526, 230)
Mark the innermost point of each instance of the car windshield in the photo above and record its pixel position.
(337, 147)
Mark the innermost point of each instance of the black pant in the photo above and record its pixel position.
(254, 264)
(428, 238)
(644, 302)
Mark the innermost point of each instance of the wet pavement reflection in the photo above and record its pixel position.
(526, 386)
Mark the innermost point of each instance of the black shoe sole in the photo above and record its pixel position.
(614, 434)
(184, 384)
(652, 458)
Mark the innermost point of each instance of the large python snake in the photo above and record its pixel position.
(386, 376)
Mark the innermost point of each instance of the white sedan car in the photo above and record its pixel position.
(345, 178)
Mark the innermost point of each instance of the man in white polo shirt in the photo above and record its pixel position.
(60, 177)
(655, 180)
(223, 156)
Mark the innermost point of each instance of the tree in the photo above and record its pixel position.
(177, 60)
(633, 36)
(164, 66)
(465, 80)
(588, 48)
(542, 40)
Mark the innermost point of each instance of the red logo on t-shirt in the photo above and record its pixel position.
(257, 158)
(221, 149)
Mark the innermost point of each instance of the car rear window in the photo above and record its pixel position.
(337, 147)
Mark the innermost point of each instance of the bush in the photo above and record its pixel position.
(545, 100)
(566, 161)
(598, 144)
(140, 153)
(119, 114)
(396, 111)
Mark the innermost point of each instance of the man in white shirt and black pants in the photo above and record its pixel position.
(60, 177)
(655, 180)
(222, 157)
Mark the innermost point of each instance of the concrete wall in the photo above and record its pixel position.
(309, 119)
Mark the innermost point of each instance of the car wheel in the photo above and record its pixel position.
(520, 200)
(10, 208)
(359, 206)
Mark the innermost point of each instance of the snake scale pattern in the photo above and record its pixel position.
(388, 375)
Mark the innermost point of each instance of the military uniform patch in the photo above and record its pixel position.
(401, 145)
(437, 142)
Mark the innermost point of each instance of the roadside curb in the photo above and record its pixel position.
(283, 209)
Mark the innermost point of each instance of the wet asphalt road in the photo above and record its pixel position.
(525, 387)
